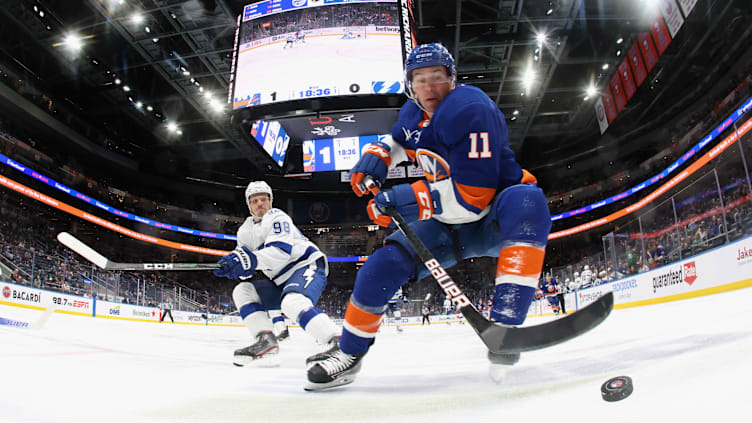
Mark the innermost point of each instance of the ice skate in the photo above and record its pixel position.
(264, 353)
(337, 370)
(500, 365)
(331, 347)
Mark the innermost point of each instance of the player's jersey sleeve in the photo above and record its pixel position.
(467, 155)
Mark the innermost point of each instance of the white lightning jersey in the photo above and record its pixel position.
(278, 244)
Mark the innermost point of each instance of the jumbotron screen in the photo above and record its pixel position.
(300, 49)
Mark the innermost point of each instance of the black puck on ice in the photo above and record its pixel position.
(617, 388)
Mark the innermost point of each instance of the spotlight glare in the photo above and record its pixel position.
(172, 127)
(126, 88)
(591, 90)
(137, 18)
(73, 42)
(605, 66)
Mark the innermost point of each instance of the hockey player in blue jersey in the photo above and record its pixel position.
(475, 201)
(550, 288)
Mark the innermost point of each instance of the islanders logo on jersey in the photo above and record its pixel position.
(433, 166)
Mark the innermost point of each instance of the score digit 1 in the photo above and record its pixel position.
(274, 96)
(326, 158)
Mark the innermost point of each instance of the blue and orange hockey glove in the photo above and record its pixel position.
(375, 163)
(413, 202)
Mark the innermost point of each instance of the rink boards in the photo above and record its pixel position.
(723, 269)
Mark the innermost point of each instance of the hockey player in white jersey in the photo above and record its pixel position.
(295, 271)
(394, 308)
(348, 35)
(289, 41)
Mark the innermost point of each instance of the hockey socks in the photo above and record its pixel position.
(517, 273)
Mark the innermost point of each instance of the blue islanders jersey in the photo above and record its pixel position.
(463, 151)
(549, 288)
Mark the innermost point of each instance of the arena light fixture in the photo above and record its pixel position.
(137, 18)
(73, 42)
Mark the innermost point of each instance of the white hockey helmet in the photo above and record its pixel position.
(258, 187)
(586, 267)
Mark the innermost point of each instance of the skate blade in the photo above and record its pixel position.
(497, 372)
(340, 381)
(272, 360)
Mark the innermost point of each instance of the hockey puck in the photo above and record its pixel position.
(617, 388)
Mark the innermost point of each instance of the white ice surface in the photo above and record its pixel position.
(690, 361)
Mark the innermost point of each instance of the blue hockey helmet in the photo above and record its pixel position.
(425, 55)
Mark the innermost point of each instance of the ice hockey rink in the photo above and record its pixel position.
(689, 360)
(329, 61)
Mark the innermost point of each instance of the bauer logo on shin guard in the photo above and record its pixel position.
(447, 284)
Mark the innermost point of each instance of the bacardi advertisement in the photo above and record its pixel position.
(39, 299)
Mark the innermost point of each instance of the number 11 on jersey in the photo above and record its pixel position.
(485, 153)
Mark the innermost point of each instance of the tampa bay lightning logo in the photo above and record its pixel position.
(386, 87)
(433, 166)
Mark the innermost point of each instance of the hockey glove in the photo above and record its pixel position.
(374, 162)
(239, 264)
(413, 202)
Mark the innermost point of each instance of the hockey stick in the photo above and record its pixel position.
(502, 339)
(104, 263)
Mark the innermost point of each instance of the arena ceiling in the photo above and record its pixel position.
(180, 50)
